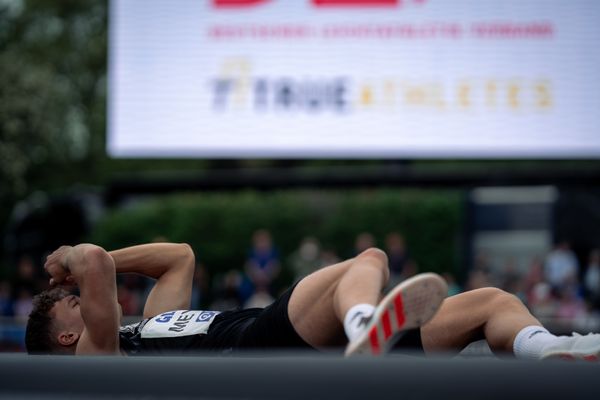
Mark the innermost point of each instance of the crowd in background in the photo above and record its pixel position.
(554, 286)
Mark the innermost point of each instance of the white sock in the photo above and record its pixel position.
(353, 318)
(530, 341)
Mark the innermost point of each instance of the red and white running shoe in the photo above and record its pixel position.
(409, 305)
(575, 347)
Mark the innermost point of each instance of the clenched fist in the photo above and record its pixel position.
(57, 267)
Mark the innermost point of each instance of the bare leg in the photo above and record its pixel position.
(487, 313)
(320, 301)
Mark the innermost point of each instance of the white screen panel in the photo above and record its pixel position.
(307, 78)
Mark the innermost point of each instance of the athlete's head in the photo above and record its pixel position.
(55, 323)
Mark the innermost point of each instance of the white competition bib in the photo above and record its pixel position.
(178, 323)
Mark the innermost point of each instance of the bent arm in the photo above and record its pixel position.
(171, 264)
(93, 270)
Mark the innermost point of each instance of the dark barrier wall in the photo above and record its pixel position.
(401, 378)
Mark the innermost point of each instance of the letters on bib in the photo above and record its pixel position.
(179, 323)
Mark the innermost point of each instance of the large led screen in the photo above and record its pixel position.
(354, 78)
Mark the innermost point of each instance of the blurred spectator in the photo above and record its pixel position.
(129, 299)
(541, 301)
(395, 247)
(23, 303)
(25, 284)
(534, 276)
(329, 257)
(261, 298)
(307, 258)
(6, 303)
(363, 241)
(132, 288)
(227, 295)
(480, 275)
(571, 306)
(199, 287)
(511, 281)
(482, 263)
(262, 265)
(26, 277)
(561, 267)
(592, 278)
(478, 278)
(411, 268)
(453, 286)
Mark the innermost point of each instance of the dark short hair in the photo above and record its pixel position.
(38, 334)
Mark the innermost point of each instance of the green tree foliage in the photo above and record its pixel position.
(52, 68)
(219, 225)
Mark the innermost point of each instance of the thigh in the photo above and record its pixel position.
(311, 307)
(272, 329)
(486, 313)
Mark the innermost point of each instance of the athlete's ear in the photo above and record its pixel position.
(67, 338)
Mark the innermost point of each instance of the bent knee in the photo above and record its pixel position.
(375, 253)
(380, 257)
(500, 298)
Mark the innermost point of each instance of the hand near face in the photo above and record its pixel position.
(57, 267)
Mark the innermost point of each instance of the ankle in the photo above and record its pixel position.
(531, 341)
(356, 319)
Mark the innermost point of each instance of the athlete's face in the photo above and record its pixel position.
(67, 315)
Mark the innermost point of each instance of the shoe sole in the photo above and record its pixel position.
(407, 306)
(572, 357)
(590, 355)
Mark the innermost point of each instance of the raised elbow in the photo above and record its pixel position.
(189, 258)
(96, 257)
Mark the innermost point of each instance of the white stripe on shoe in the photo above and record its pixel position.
(407, 306)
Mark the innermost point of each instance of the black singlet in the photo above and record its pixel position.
(189, 331)
(186, 331)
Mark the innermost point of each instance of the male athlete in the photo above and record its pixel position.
(336, 305)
